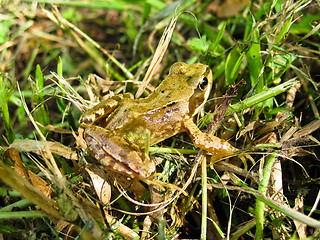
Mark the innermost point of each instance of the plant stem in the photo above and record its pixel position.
(21, 214)
(263, 189)
(204, 198)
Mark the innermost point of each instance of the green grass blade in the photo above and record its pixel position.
(39, 79)
(261, 97)
(284, 30)
(4, 99)
(255, 65)
(21, 214)
(114, 5)
(204, 206)
(23, 203)
(233, 62)
(263, 187)
(40, 113)
(215, 44)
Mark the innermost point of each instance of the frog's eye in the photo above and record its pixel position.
(203, 83)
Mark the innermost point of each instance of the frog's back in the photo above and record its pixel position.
(133, 119)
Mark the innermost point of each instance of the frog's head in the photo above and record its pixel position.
(197, 82)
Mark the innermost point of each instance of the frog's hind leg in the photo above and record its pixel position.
(117, 153)
(219, 147)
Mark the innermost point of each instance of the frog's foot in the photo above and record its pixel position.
(243, 156)
(162, 185)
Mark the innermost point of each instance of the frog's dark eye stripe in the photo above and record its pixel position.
(203, 83)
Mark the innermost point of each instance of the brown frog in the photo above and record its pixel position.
(118, 129)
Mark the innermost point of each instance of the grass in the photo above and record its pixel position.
(57, 61)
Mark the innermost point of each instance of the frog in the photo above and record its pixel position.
(118, 130)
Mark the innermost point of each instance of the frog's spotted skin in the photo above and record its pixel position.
(117, 130)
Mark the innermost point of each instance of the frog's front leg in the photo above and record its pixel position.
(219, 147)
(102, 109)
(117, 154)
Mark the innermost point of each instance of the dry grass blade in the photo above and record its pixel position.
(34, 179)
(58, 19)
(69, 93)
(315, 125)
(29, 192)
(176, 196)
(158, 55)
(28, 145)
(301, 227)
(101, 186)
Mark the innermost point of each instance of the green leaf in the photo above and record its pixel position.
(41, 113)
(199, 44)
(146, 12)
(39, 79)
(4, 30)
(284, 30)
(279, 64)
(277, 5)
(156, 3)
(215, 44)
(304, 25)
(218, 70)
(59, 67)
(233, 62)
(255, 65)
(71, 14)
(4, 98)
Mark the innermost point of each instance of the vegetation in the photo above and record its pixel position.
(59, 58)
